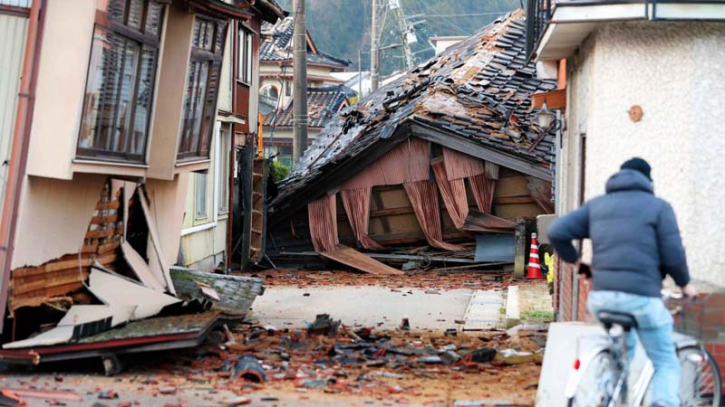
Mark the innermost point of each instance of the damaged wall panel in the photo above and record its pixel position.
(34, 286)
(58, 211)
(167, 201)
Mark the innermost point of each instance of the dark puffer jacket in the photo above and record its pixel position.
(634, 235)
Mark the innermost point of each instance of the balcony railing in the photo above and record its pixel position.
(538, 16)
(539, 13)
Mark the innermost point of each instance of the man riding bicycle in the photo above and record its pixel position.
(636, 243)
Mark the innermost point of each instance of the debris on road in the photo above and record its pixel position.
(324, 325)
(248, 368)
(418, 366)
(108, 395)
(434, 279)
(405, 324)
(483, 355)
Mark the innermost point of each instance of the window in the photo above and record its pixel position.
(245, 56)
(287, 88)
(202, 89)
(224, 160)
(200, 193)
(120, 82)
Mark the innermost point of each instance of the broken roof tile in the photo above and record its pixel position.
(470, 91)
(323, 103)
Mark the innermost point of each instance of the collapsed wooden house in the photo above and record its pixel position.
(450, 157)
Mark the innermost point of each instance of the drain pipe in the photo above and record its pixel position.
(18, 158)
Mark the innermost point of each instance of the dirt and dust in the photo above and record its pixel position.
(432, 279)
(393, 367)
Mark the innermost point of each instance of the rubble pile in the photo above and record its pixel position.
(439, 279)
(401, 366)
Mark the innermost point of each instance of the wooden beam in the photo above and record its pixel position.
(472, 148)
(555, 99)
(382, 213)
(391, 212)
(379, 204)
(513, 200)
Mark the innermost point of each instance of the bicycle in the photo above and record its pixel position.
(602, 378)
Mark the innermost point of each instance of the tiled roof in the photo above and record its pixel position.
(322, 105)
(277, 45)
(478, 90)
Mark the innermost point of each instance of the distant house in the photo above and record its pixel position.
(359, 82)
(440, 44)
(276, 89)
(323, 103)
(459, 127)
(643, 78)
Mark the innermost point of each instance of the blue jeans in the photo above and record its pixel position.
(654, 329)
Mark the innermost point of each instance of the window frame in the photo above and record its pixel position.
(144, 40)
(200, 196)
(212, 59)
(224, 159)
(245, 55)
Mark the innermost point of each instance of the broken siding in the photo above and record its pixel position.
(54, 216)
(474, 98)
(56, 280)
(393, 222)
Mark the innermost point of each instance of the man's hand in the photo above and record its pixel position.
(690, 291)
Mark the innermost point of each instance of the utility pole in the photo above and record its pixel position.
(374, 49)
(299, 144)
(359, 73)
(405, 32)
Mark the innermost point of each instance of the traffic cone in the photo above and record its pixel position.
(534, 263)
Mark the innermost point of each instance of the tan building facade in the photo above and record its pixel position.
(116, 111)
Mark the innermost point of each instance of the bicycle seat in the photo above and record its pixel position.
(609, 318)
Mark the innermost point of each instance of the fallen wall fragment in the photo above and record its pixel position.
(355, 259)
(114, 289)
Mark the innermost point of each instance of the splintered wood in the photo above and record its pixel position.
(355, 259)
(58, 278)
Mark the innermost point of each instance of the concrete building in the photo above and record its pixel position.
(107, 110)
(276, 88)
(644, 79)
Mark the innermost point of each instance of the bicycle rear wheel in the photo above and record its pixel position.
(597, 383)
(700, 385)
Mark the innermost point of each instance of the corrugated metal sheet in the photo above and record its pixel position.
(355, 259)
(12, 49)
(495, 248)
(16, 3)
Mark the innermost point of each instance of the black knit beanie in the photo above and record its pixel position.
(638, 164)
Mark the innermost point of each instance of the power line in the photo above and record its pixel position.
(492, 13)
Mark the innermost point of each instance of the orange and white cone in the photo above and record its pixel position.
(534, 270)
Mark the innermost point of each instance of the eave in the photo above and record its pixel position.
(572, 21)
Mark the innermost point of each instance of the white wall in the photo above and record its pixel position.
(63, 65)
(674, 71)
